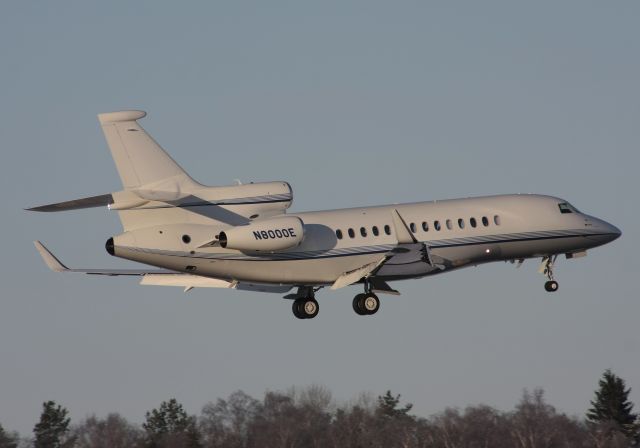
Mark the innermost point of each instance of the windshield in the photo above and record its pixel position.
(565, 207)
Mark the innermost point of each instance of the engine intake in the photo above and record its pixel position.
(267, 235)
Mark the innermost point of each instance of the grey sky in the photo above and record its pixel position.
(353, 103)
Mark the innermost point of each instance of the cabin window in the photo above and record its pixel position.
(496, 220)
(473, 222)
(387, 229)
(186, 239)
(352, 234)
(339, 234)
(363, 231)
(412, 226)
(485, 221)
(436, 225)
(375, 231)
(425, 226)
(449, 224)
(461, 223)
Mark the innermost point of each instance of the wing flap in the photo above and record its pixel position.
(354, 276)
(185, 281)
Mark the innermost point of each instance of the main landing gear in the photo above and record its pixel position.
(367, 303)
(547, 269)
(305, 306)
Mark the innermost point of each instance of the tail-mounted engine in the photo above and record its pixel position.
(265, 235)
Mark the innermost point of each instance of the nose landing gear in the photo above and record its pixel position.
(547, 269)
(551, 286)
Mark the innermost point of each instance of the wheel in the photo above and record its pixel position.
(358, 304)
(310, 308)
(371, 303)
(551, 286)
(307, 308)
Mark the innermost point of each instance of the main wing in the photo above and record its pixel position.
(161, 277)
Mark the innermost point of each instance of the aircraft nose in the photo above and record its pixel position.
(608, 231)
(603, 231)
(613, 231)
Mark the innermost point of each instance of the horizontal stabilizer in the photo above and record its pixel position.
(76, 204)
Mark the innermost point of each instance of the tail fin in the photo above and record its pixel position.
(141, 162)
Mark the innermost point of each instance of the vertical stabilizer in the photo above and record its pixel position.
(140, 161)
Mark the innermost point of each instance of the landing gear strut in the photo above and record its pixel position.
(547, 269)
(367, 303)
(305, 306)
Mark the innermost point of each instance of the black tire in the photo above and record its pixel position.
(358, 304)
(295, 307)
(551, 286)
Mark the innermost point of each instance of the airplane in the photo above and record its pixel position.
(241, 236)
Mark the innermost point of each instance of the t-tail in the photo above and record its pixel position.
(156, 190)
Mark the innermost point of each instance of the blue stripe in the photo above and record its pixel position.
(378, 249)
(268, 199)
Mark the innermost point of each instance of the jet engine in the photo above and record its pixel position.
(267, 235)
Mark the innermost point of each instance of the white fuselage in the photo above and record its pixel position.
(458, 233)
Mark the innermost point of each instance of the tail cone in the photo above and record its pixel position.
(110, 247)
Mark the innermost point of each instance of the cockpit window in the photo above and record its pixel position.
(565, 207)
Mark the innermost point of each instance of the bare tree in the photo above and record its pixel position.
(352, 428)
(226, 423)
(535, 424)
(113, 431)
(478, 427)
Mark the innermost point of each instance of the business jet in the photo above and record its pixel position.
(242, 237)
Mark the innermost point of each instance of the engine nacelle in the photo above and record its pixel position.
(266, 235)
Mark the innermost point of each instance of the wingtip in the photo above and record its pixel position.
(50, 260)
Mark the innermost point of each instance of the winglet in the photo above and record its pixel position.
(51, 261)
(403, 232)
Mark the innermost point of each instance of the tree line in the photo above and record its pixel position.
(310, 418)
